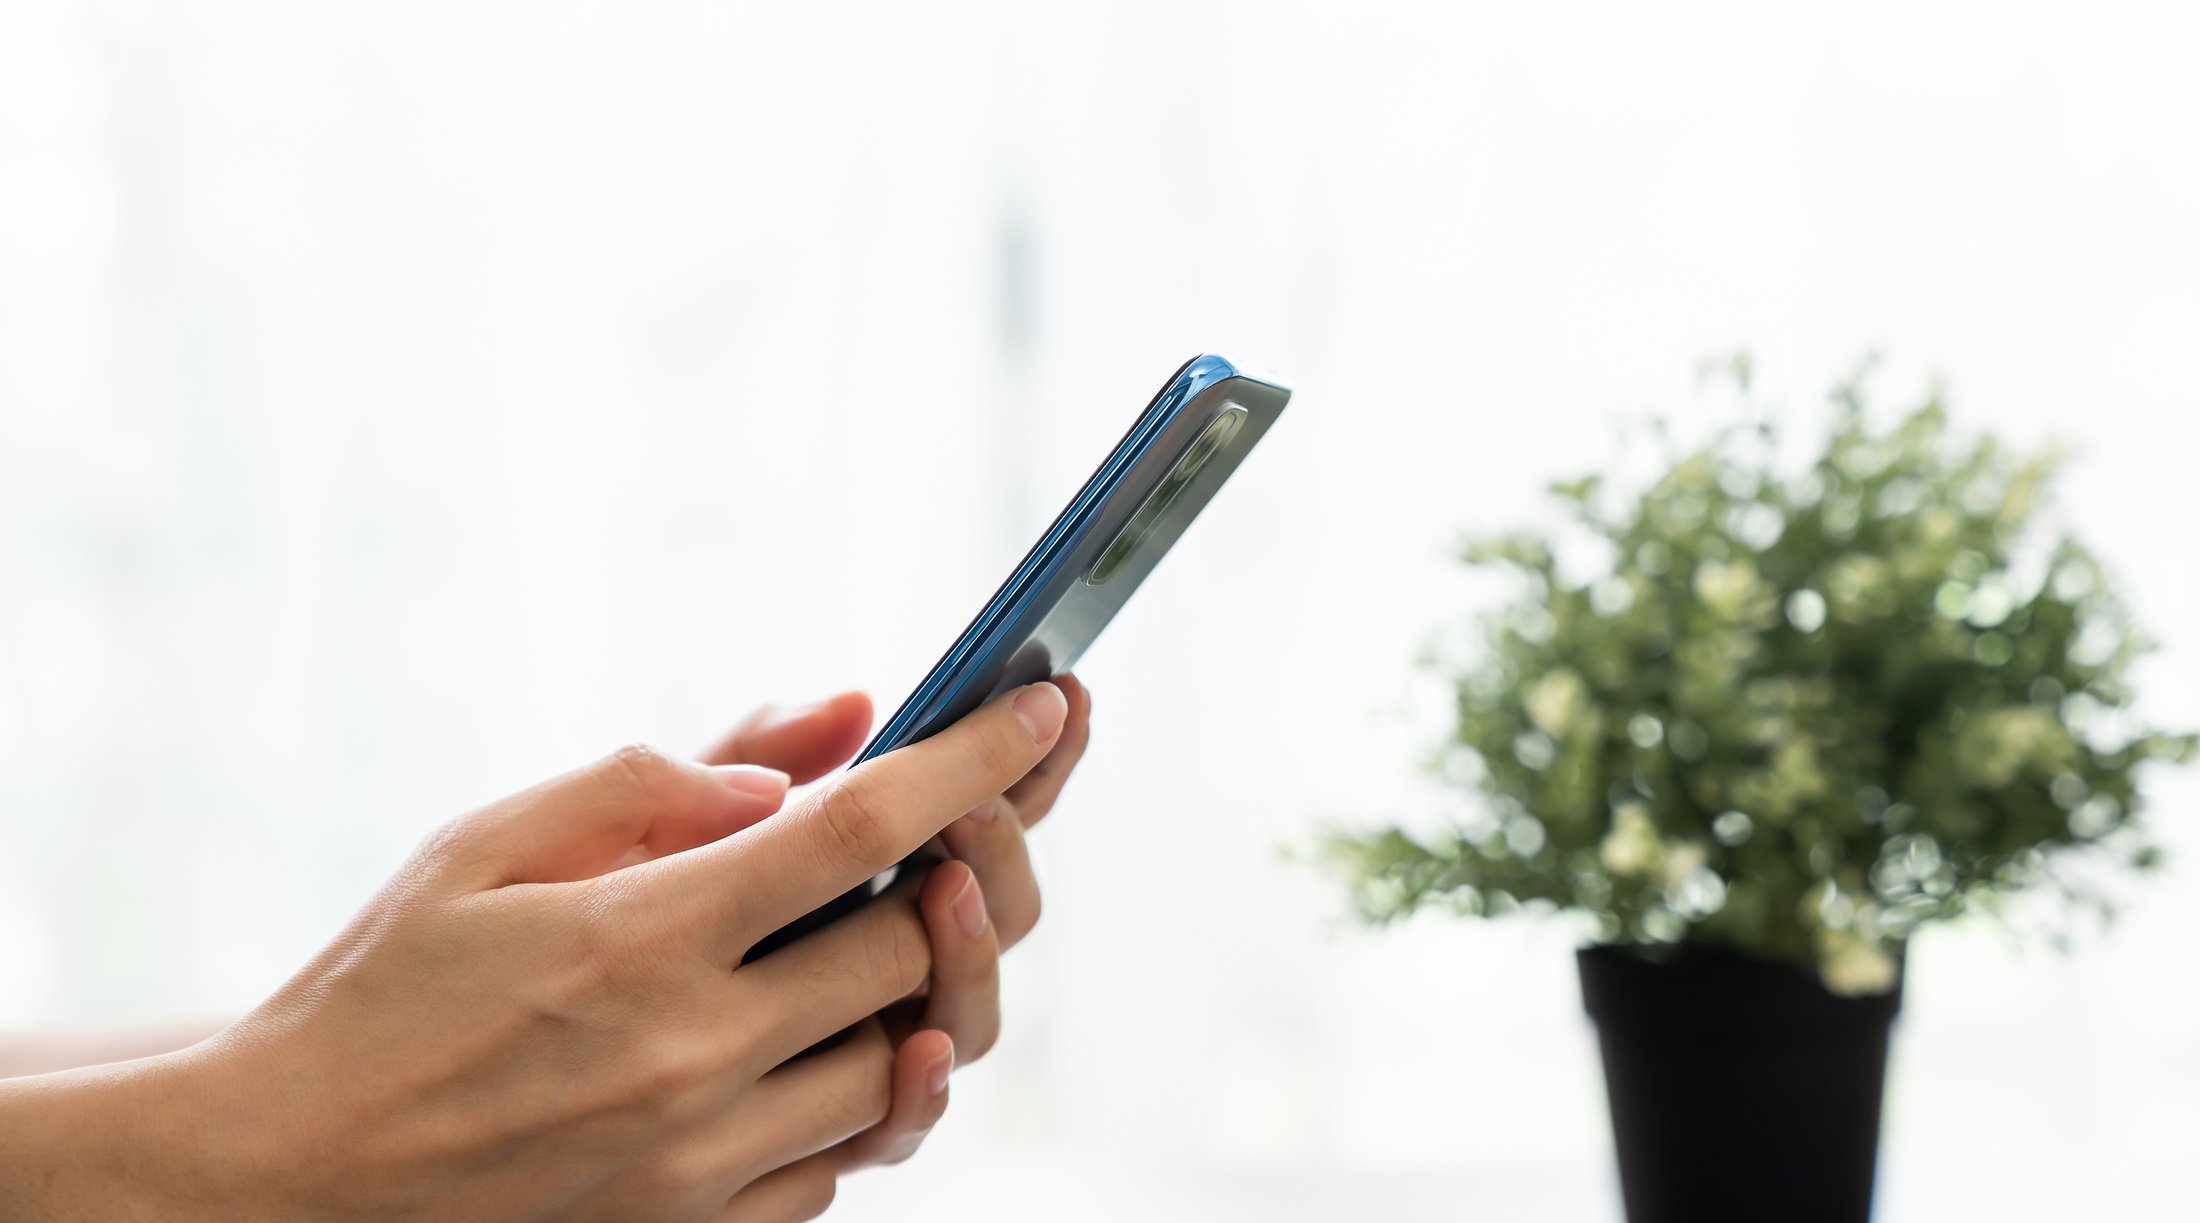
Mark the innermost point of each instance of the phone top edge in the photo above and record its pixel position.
(1192, 379)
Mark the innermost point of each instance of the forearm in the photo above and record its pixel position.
(88, 1144)
(45, 1052)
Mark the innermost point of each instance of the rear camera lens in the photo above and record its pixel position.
(1207, 445)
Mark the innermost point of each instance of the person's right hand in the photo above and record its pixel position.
(972, 909)
(518, 1027)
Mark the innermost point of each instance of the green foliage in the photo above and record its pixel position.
(1794, 715)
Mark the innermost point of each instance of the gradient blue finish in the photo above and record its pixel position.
(975, 654)
(1045, 615)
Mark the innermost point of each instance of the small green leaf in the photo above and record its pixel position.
(1844, 657)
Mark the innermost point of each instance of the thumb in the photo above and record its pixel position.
(633, 805)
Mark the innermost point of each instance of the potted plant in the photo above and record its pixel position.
(1761, 722)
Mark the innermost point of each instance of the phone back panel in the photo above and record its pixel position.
(1086, 566)
(1049, 611)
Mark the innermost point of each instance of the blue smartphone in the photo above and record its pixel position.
(1084, 567)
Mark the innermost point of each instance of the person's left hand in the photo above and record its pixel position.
(973, 908)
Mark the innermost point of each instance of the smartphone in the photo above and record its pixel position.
(1083, 569)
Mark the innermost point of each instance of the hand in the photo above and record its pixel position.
(959, 1019)
(991, 837)
(520, 1027)
(813, 740)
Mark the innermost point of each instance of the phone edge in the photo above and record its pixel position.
(1186, 384)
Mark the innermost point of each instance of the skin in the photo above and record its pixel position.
(544, 1013)
(44, 1052)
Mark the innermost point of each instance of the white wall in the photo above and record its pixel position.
(399, 404)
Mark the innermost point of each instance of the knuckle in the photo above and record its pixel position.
(654, 1091)
(639, 769)
(447, 836)
(584, 952)
(453, 841)
(862, 1105)
(678, 1179)
(1002, 754)
(670, 1073)
(901, 955)
(855, 819)
(617, 940)
(747, 1054)
(599, 956)
(894, 955)
(877, 1101)
(658, 1070)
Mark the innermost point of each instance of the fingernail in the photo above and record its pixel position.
(984, 812)
(752, 779)
(1041, 708)
(969, 907)
(935, 1072)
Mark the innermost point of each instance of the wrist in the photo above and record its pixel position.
(129, 1141)
(65, 1146)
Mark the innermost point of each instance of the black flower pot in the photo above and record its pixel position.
(1741, 1089)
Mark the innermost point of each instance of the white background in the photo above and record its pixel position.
(399, 403)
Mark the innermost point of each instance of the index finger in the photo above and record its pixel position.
(740, 889)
